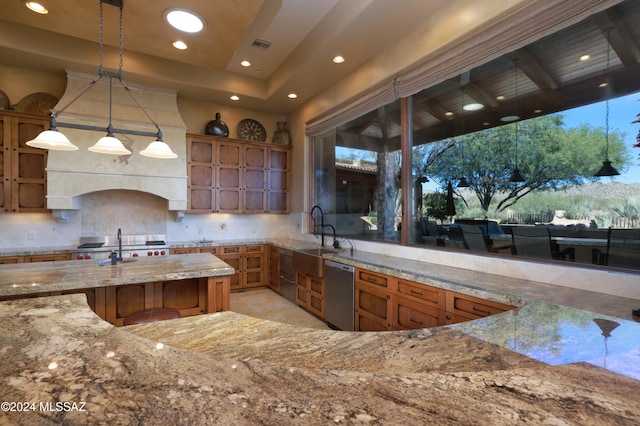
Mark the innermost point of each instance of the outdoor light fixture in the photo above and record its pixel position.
(54, 140)
(463, 183)
(607, 169)
(516, 176)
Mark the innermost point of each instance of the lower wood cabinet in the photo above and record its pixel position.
(35, 258)
(250, 263)
(310, 293)
(192, 296)
(274, 269)
(385, 302)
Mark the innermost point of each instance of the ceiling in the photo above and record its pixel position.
(305, 35)
(542, 78)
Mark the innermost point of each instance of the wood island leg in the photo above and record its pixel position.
(218, 294)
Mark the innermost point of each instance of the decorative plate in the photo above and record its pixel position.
(37, 103)
(251, 130)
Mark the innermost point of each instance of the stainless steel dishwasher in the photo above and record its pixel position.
(339, 295)
(287, 275)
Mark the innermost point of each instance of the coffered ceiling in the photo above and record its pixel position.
(304, 34)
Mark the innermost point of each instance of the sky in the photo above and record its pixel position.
(622, 111)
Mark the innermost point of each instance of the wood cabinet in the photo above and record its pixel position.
(385, 302)
(278, 163)
(35, 258)
(462, 307)
(183, 250)
(232, 176)
(47, 257)
(310, 293)
(249, 262)
(274, 268)
(201, 157)
(373, 299)
(23, 180)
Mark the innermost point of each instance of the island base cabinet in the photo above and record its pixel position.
(192, 296)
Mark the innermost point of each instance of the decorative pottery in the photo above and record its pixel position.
(251, 130)
(4, 100)
(282, 136)
(217, 127)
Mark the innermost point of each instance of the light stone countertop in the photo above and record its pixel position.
(227, 368)
(27, 278)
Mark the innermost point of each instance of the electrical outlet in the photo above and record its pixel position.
(223, 226)
(31, 235)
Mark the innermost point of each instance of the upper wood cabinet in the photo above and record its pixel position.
(232, 176)
(23, 180)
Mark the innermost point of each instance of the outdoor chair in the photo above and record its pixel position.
(535, 241)
(475, 239)
(623, 249)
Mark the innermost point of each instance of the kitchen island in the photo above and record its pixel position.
(192, 283)
(226, 368)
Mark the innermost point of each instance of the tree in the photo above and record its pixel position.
(549, 156)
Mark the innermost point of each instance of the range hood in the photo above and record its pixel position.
(72, 174)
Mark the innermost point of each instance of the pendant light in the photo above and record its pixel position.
(53, 139)
(607, 169)
(516, 176)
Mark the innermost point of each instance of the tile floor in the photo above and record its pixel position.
(266, 304)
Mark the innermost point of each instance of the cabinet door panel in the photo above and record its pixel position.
(255, 156)
(129, 299)
(30, 196)
(201, 152)
(182, 294)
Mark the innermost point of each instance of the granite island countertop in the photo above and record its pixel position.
(227, 368)
(28, 278)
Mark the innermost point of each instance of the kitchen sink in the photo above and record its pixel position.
(318, 251)
(310, 261)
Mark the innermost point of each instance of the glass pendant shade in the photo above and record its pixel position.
(53, 140)
(516, 176)
(109, 145)
(158, 149)
(607, 170)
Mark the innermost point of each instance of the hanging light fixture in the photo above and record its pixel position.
(516, 176)
(607, 169)
(53, 139)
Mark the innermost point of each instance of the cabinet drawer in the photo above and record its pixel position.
(409, 315)
(373, 303)
(230, 250)
(432, 295)
(473, 306)
(372, 278)
(254, 249)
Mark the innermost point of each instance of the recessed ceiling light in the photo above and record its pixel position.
(245, 63)
(338, 59)
(500, 98)
(448, 113)
(234, 97)
(486, 123)
(184, 20)
(179, 44)
(510, 118)
(537, 111)
(292, 95)
(473, 107)
(603, 85)
(585, 58)
(36, 7)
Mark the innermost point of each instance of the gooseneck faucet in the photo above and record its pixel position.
(322, 226)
